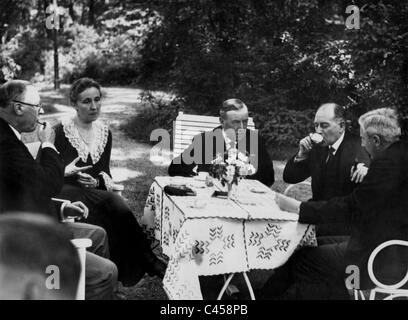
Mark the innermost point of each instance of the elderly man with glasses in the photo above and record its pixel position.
(27, 185)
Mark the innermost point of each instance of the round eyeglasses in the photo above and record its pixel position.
(38, 107)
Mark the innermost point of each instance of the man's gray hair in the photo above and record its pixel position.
(12, 90)
(383, 122)
(231, 104)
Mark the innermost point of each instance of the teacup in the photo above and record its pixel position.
(202, 175)
(317, 138)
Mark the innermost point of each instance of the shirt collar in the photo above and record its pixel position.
(337, 144)
(18, 135)
(227, 140)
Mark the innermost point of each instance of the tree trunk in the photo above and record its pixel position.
(56, 61)
(71, 10)
(91, 13)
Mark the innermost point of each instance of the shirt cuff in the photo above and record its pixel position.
(49, 145)
(298, 159)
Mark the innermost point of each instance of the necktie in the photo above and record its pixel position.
(330, 154)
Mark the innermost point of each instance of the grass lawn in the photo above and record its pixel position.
(130, 162)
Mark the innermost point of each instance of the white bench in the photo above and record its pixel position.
(187, 126)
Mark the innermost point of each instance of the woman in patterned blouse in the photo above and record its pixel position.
(85, 144)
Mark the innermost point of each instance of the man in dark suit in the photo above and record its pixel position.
(27, 185)
(330, 163)
(232, 133)
(376, 210)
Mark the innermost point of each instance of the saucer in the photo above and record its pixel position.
(256, 190)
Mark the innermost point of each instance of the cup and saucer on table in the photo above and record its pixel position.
(202, 180)
(201, 176)
(257, 190)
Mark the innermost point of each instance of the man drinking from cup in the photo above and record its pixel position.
(333, 158)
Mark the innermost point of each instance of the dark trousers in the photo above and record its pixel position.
(128, 245)
(312, 273)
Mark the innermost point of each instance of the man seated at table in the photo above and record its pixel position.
(376, 210)
(232, 133)
(27, 185)
(329, 163)
(37, 259)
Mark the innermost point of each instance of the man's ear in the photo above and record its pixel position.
(376, 139)
(18, 109)
(221, 120)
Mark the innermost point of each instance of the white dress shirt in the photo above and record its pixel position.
(43, 145)
(337, 144)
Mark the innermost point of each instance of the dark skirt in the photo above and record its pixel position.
(129, 248)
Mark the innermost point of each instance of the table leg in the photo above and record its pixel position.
(225, 286)
(251, 291)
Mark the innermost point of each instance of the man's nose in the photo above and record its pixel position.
(93, 105)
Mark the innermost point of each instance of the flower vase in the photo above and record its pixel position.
(229, 192)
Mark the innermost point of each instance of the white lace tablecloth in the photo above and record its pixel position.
(203, 235)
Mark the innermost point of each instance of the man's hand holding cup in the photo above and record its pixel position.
(306, 145)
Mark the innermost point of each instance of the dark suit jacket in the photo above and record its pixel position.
(27, 185)
(349, 150)
(338, 185)
(377, 211)
(204, 149)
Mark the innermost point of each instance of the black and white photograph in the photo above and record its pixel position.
(211, 150)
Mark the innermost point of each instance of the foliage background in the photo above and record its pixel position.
(281, 57)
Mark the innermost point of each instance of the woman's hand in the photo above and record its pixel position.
(72, 169)
(87, 181)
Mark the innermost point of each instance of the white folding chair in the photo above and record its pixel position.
(81, 245)
(391, 291)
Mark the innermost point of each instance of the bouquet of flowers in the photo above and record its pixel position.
(231, 168)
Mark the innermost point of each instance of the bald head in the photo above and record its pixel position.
(335, 111)
(330, 122)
